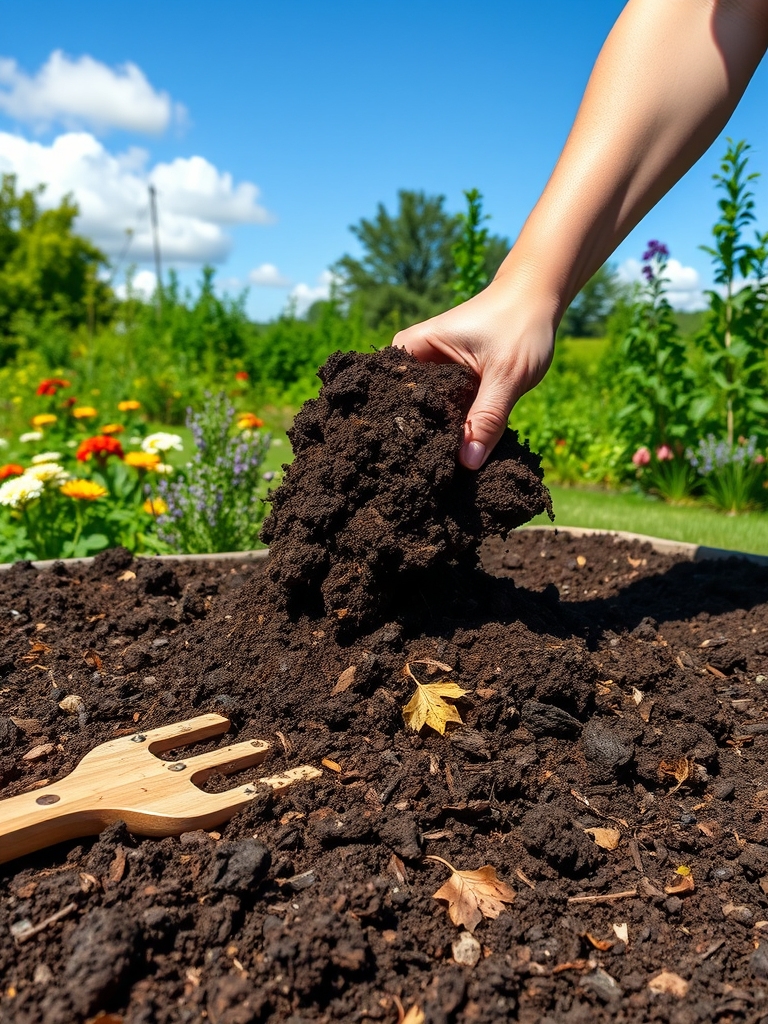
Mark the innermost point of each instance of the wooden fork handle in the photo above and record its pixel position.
(42, 817)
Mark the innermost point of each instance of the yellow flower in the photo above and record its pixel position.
(142, 460)
(84, 412)
(248, 421)
(129, 405)
(155, 507)
(43, 419)
(87, 490)
(112, 428)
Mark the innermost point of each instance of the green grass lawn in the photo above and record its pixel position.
(610, 510)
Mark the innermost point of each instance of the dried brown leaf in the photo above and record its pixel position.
(92, 660)
(431, 665)
(681, 769)
(36, 647)
(606, 838)
(685, 885)
(334, 766)
(345, 680)
(602, 944)
(473, 895)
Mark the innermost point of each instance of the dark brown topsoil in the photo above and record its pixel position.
(375, 503)
(587, 664)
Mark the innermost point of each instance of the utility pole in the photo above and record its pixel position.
(156, 242)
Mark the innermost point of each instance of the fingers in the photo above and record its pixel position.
(420, 343)
(486, 421)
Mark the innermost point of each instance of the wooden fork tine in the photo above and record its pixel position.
(226, 759)
(167, 737)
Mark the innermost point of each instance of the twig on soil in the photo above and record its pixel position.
(33, 930)
(599, 898)
(637, 859)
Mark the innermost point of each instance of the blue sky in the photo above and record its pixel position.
(317, 111)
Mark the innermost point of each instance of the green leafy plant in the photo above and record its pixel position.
(470, 250)
(217, 502)
(734, 336)
(653, 372)
(666, 473)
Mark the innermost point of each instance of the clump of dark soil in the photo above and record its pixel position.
(375, 502)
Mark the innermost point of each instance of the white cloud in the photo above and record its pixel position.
(303, 295)
(143, 285)
(684, 290)
(268, 276)
(84, 92)
(194, 198)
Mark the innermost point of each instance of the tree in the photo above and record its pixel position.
(407, 263)
(47, 272)
(587, 314)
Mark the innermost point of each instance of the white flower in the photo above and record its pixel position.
(31, 435)
(163, 468)
(3, 443)
(162, 442)
(20, 490)
(48, 473)
(46, 457)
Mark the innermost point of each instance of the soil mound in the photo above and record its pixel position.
(375, 499)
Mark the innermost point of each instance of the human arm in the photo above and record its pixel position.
(666, 81)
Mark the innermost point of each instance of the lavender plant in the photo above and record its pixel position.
(217, 504)
(733, 474)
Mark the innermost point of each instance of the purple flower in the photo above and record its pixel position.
(655, 249)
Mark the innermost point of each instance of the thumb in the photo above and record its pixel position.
(486, 421)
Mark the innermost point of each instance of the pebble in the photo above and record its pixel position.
(36, 753)
(549, 720)
(673, 905)
(741, 914)
(72, 704)
(603, 985)
(466, 950)
(43, 975)
(724, 874)
(758, 962)
(723, 790)
(302, 881)
(687, 818)
(9, 734)
(238, 866)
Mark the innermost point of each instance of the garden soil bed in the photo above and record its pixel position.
(594, 671)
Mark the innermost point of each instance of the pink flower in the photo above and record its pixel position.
(759, 460)
(641, 457)
(664, 453)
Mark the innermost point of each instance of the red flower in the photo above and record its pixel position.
(10, 469)
(69, 402)
(101, 446)
(51, 385)
(242, 375)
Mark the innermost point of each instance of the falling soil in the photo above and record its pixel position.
(610, 765)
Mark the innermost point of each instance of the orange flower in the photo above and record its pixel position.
(113, 428)
(101, 446)
(142, 460)
(242, 375)
(84, 490)
(248, 421)
(84, 412)
(43, 419)
(129, 405)
(10, 469)
(155, 507)
(51, 385)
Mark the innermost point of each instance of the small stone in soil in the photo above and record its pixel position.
(549, 720)
(238, 866)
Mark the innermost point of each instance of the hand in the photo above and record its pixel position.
(506, 340)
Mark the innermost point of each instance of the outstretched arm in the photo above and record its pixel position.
(664, 85)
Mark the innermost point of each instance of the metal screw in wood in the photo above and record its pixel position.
(124, 780)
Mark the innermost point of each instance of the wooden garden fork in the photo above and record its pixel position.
(123, 780)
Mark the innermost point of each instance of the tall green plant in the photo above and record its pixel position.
(654, 378)
(734, 337)
(470, 250)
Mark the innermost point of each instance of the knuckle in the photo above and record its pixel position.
(488, 421)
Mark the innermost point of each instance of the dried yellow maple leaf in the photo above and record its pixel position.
(427, 706)
(473, 895)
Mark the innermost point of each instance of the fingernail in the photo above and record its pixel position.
(473, 455)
